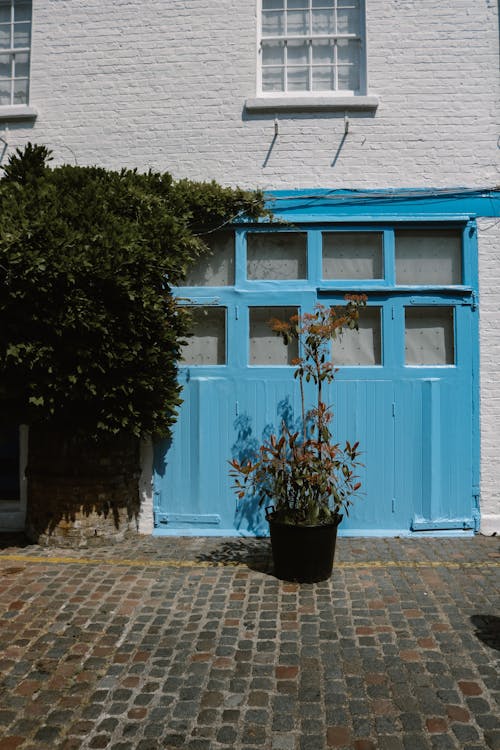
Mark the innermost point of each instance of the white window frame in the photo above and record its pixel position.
(12, 110)
(330, 93)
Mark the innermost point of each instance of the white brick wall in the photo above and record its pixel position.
(489, 289)
(162, 84)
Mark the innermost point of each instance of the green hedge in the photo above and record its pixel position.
(89, 330)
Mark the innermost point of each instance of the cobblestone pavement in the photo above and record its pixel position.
(192, 643)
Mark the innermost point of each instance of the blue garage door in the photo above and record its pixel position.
(405, 386)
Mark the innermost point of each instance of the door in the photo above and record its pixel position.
(404, 389)
(13, 452)
(405, 386)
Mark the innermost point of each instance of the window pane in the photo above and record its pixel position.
(273, 53)
(323, 79)
(322, 52)
(429, 257)
(5, 66)
(295, 4)
(298, 79)
(276, 255)
(207, 346)
(297, 22)
(348, 62)
(297, 53)
(429, 336)
(266, 348)
(5, 93)
(20, 91)
(273, 24)
(21, 35)
(21, 64)
(273, 79)
(323, 21)
(218, 268)
(4, 37)
(348, 78)
(272, 4)
(348, 18)
(5, 16)
(22, 11)
(362, 347)
(352, 255)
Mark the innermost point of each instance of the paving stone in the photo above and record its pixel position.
(443, 742)
(415, 742)
(226, 656)
(226, 734)
(283, 742)
(492, 739)
(465, 733)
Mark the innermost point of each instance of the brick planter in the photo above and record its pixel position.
(80, 492)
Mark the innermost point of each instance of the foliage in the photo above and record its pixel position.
(27, 164)
(89, 329)
(306, 475)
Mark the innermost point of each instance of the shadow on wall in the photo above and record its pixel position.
(281, 129)
(249, 515)
(81, 492)
(13, 135)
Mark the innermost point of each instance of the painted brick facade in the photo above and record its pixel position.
(163, 85)
(489, 281)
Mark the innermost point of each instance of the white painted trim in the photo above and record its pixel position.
(330, 103)
(146, 519)
(23, 464)
(388, 533)
(333, 36)
(18, 112)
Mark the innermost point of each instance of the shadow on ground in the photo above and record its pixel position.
(487, 629)
(255, 553)
(13, 539)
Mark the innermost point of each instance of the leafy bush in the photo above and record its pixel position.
(89, 329)
(306, 476)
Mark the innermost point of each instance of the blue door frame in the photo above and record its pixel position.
(419, 426)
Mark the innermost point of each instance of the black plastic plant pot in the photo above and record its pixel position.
(303, 554)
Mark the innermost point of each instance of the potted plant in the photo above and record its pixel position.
(304, 478)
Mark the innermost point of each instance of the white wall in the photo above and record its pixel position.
(162, 84)
(489, 289)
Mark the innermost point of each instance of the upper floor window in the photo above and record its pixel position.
(312, 46)
(15, 42)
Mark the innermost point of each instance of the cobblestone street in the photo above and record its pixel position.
(192, 643)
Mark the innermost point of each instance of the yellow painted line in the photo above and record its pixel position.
(138, 563)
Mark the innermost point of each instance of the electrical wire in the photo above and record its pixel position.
(364, 197)
(358, 196)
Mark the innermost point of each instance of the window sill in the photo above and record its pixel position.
(311, 103)
(17, 112)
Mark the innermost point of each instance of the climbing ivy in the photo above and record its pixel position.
(89, 329)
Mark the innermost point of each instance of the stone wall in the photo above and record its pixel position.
(81, 493)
